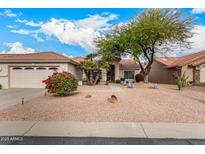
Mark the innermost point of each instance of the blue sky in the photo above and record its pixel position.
(72, 31)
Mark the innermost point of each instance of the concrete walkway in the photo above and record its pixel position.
(9, 97)
(103, 129)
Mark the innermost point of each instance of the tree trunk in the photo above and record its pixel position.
(91, 78)
(97, 77)
(146, 73)
(87, 75)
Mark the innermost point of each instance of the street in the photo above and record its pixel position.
(96, 141)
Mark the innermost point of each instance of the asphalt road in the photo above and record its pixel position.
(96, 141)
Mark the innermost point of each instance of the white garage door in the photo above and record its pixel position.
(202, 75)
(29, 77)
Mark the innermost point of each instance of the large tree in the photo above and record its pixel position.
(151, 32)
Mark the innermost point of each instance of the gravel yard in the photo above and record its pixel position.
(139, 104)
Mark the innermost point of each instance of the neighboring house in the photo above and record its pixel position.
(28, 70)
(166, 69)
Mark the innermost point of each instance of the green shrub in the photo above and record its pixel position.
(182, 81)
(117, 81)
(61, 83)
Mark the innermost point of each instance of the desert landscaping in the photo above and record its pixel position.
(143, 103)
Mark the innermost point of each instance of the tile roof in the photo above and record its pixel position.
(34, 56)
(171, 62)
(128, 64)
(78, 59)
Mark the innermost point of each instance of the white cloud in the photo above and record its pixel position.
(97, 22)
(17, 48)
(69, 56)
(198, 40)
(198, 10)
(68, 33)
(37, 37)
(21, 21)
(33, 33)
(11, 26)
(33, 24)
(197, 43)
(8, 13)
(29, 23)
(80, 32)
(22, 31)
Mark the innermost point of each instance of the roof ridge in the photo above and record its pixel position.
(37, 55)
(183, 60)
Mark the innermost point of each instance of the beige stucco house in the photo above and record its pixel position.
(28, 70)
(124, 69)
(166, 69)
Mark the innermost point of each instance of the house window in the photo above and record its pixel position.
(17, 68)
(29, 68)
(129, 74)
(41, 68)
(53, 68)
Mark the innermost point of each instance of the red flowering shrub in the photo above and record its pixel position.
(61, 83)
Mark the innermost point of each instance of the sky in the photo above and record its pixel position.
(72, 32)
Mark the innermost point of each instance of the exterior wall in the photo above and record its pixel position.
(117, 70)
(189, 71)
(197, 72)
(4, 82)
(160, 74)
(5, 74)
(75, 71)
(104, 76)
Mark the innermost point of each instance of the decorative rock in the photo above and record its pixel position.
(130, 85)
(112, 99)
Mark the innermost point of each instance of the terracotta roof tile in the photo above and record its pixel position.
(78, 59)
(128, 64)
(34, 56)
(170, 62)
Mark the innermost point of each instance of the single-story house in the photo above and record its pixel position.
(124, 69)
(167, 69)
(28, 70)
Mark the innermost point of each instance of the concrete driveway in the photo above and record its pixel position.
(9, 97)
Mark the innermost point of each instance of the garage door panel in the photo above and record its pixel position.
(28, 78)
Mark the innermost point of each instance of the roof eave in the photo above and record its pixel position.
(36, 61)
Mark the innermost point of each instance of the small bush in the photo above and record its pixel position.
(182, 81)
(139, 77)
(61, 83)
(0, 86)
(117, 81)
